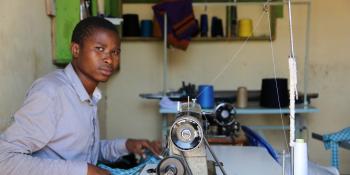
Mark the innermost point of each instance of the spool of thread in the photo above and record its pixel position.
(131, 25)
(242, 97)
(274, 93)
(300, 158)
(206, 96)
(216, 27)
(204, 25)
(245, 28)
(146, 28)
(233, 21)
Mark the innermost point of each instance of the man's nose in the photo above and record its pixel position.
(107, 58)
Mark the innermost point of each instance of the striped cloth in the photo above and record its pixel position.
(132, 171)
(331, 141)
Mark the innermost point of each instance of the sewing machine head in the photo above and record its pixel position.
(186, 133)
(186, 144)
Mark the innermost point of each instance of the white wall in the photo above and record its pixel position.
(141, 71)
(329, 70)
(25, 51)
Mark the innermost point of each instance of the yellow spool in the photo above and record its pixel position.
(245, 28)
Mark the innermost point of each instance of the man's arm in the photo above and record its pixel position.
(110, 151)
(33, 127)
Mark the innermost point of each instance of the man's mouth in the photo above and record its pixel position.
(106, 71)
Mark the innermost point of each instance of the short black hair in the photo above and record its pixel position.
(87, 26)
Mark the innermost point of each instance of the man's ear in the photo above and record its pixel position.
(75, 48)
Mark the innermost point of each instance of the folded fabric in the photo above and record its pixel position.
(331, 141)
(132, 171)
(181, 24)
(166, 103)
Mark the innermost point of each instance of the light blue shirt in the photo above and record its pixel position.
(56, 131)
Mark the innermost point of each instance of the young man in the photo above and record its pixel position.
(56, 131)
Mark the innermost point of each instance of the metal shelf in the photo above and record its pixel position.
(254, 38)
(255, 109)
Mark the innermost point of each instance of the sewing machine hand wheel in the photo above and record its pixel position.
(225, 114)
(171, 165)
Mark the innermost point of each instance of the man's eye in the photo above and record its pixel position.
(115, 52)
(100, 49)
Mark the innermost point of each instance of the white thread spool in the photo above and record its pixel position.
(300, 158)
(242, 97)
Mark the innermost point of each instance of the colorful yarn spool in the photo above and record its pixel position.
(274, 93)
(204, 25)
(146, 28)
(242, 97)
(131, 25)
(206, 96)
(216, 27)
(245, 28)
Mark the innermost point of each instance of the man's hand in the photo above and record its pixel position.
(138, 146)
(94, 170)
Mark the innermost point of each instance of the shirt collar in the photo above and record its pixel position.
(79, 88)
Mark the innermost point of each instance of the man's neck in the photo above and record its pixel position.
(89, 84)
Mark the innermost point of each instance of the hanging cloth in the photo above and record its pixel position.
(182, 24)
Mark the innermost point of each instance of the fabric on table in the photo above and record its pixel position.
(132, 171)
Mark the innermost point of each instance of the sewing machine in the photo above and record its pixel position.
(186, 152)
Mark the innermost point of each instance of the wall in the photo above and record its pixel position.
(25, 51)
(141, 72)
(328, 71)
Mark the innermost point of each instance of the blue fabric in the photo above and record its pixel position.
(331, 141)
(255, 139)
(132, 171)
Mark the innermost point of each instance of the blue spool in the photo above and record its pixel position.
(206, 96)
(146, 28)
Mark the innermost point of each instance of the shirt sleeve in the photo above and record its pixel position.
(112, 150)
(33, 126)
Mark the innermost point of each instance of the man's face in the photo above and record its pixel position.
(97, 57)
